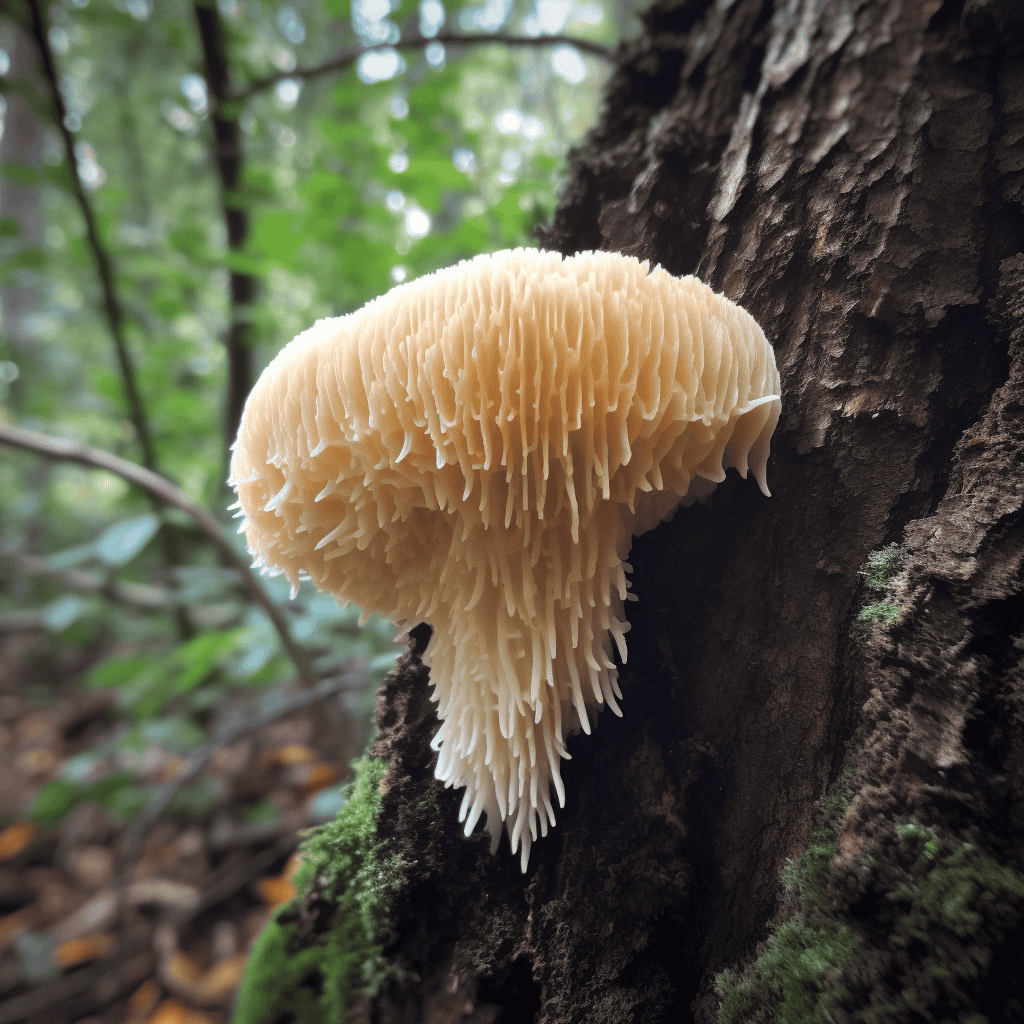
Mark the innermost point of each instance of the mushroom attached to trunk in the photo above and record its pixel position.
(475, 450)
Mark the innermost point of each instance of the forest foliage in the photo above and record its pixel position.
(349, 181)
(185, 187)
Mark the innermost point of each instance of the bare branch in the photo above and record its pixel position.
(348, 56)
(170, 494)
(112, 307)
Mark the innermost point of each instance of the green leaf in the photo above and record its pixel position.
(193, 801)
(195, 660)
(121, 542)
(24, 259)
(9, 227)
(39, 175)
(107, 790)
(263, 812)
(118, 671)
(243, 263)
(127, 802)
(276, 234)
(54, 802)
(62, 612)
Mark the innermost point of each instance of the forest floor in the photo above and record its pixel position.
(92, 930)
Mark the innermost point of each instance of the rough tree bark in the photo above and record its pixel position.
(852, 172)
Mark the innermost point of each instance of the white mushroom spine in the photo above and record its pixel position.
(474, 450)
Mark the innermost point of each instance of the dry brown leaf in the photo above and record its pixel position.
(163, 891)
(143, 1002)
(88, 947)
(36, 761)
(15, 838)
(190, 843)
(232, 759)
(93, 915)
(54, 896)
(183, 976)
(92, 866)
(172, 768)
(312, 778)
(37, 728)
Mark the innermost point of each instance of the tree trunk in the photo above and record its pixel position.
(852, 173)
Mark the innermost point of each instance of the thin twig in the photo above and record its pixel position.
(345, 58)
(227, 157)
(140, 595)
(112, 307)
(66, 450)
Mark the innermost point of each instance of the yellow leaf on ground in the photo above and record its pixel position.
(319, 775)
(88, 947)
(221, 980)
(275, 891)
(15, 838)
(143, 1002)
(172, 1011)
(292, 753)
(281, 889)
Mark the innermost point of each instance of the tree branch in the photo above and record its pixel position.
(351, 54)
(66, 450)
(112, 307)
(227, 141)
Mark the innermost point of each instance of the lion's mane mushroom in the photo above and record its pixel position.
(475, 450)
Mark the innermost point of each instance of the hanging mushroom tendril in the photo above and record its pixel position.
(475, 450)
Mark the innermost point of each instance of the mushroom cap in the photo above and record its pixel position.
(475, 450)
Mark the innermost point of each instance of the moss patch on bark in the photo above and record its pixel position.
(913, 926)
(345, 885)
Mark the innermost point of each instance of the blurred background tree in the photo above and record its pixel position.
(185, 187)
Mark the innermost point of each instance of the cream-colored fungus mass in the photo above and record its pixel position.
(475, 450)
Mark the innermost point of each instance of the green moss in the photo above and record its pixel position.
(790, 982)
(881, 612)
(880, 573)
(921, 939)
(344, 863)
(883, 566)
